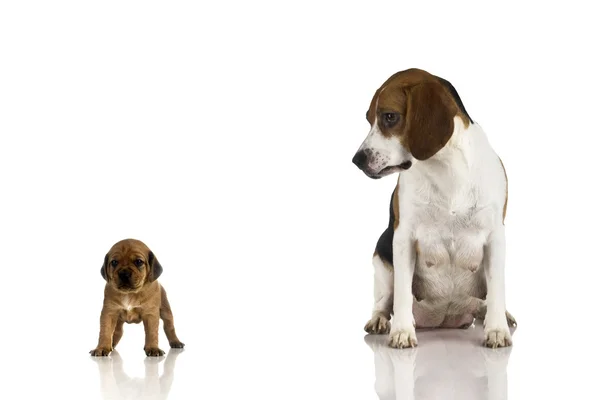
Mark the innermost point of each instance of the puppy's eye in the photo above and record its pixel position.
(138, 263)
(114, 263)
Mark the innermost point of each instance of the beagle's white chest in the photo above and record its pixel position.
(452, 235)
(440, 246)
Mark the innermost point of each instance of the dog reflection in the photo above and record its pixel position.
(116, 384)
(447, 364)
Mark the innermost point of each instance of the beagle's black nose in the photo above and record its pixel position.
(360, 159)
(405, 165)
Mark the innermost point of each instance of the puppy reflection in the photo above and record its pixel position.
(448, 364)
(116, 384)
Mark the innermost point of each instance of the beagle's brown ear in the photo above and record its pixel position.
(104, 269)
(429, 119)
(155, 268)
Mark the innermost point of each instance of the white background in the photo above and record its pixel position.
(221, 134)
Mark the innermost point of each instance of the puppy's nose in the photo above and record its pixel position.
(360, 159)
(124, 275)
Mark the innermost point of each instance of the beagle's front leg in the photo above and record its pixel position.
(402, 333)
(496, 329)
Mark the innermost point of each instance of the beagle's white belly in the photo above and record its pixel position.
(449, 274)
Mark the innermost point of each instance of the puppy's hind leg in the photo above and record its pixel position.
(118, 332)
(168, 324)
(384, 297)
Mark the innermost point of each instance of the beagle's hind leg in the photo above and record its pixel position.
(512, 322)
(168, 324)
(384, 297)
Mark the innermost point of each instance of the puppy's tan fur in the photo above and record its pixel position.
(133, 295)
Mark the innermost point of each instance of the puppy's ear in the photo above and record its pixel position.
(429, 119)
(155, 268)
(104, 269)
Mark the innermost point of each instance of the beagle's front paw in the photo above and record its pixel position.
(402, 338)
(378, 324)
(497, 337)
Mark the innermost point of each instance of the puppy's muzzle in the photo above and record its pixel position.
(125, 277)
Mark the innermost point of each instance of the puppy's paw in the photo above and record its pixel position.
(154, 352)
(176, 345)
(100, 352)
(497, 337)
(402, 338)
(379, 324)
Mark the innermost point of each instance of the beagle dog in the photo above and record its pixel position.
(132, 294)
(440, 262)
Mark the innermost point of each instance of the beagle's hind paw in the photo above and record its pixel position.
(377, 325)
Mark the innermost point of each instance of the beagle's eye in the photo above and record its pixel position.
(138, 263)
(114, 263)
(390, 118)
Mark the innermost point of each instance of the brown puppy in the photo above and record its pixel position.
(132, 295)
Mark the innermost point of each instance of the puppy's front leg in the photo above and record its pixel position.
(403, 324)
(108, 321)
(496, 325)
(151, 329)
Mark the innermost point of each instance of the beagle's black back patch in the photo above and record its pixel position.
(384, 244)
(455, 96)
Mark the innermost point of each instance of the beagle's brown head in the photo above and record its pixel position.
(412, 117)
(129, 265)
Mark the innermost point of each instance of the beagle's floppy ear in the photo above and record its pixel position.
(155, 268)
(429, 119)
(104, 269)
